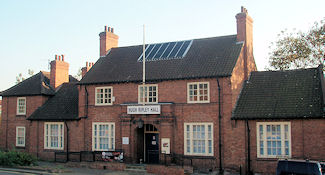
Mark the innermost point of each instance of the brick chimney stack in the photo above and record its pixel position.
(245, 34)
(108, 40)
(84, 70)
(59, 71)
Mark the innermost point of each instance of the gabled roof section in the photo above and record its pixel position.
(62, 106)
(292, 94)
(38, 84)
(208, 57)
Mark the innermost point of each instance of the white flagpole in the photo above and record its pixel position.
(143, 66)
(144, 59)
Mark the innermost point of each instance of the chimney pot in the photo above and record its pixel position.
(87, 64)
(56, 57)
(59, 58)
(109, 29)
(62, 57)
(105, 28)
(112, 30)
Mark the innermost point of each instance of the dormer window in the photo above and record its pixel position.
(148, 94)
(21, 106)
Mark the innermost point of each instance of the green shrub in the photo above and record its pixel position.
(14, 158)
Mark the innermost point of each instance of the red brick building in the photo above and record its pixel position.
(0, 109)
(182, 113)
(281, 114)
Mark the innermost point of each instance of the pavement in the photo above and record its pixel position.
(50, 168)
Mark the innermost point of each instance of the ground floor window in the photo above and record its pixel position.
(103, 136)
(20, 136)
(273, 139)
(198, 139)
(54, 135)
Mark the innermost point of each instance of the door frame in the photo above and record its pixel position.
(144, 139)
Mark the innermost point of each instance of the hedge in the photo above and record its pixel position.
(14, 158)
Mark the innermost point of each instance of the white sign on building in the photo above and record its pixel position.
(125, 140)
(165, 145)
(147, 109)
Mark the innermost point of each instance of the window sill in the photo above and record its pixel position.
(205, 102)
(20, 147)
(198, 156)
(21, 115)
(270, 158)
(104, 104)
(53, 150)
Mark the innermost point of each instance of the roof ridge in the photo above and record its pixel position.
(289, 70)
(224, 36)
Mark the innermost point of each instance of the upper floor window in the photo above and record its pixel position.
(198, 92)
(53, 135)
(21, 106)
(148, 94)
(20, 136)
(103, 95)
(273, 139)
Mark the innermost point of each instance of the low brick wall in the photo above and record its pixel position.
(114, 166)
(162, 170)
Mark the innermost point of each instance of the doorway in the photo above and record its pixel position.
(151, 143)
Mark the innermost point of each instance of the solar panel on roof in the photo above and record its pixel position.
(154, 51)
(183, 49)
(169, 49)
(176, 49)
(162, 51)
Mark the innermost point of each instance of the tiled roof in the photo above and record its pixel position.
(62, 106)
(209, 57)
(38, 84)
(282, 95)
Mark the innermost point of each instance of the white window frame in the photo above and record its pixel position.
(47, 135)
(147, 94)
(17, 136)
(24, 106)
(206, 139)
(264, 139)
(198, 92)
(96, 140)
(108, 98)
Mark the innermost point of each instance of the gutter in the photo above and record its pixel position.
(248, 149)
(66, 125)
(219, 122)
(86, 100)
(86, 115)
(7, 123)
(151, 80)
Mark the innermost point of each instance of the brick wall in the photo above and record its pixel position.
(162, 170)
(10, 119)
(307, 142)
(171, 121)
(36, 138)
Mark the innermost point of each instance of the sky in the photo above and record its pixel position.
(32, 32)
